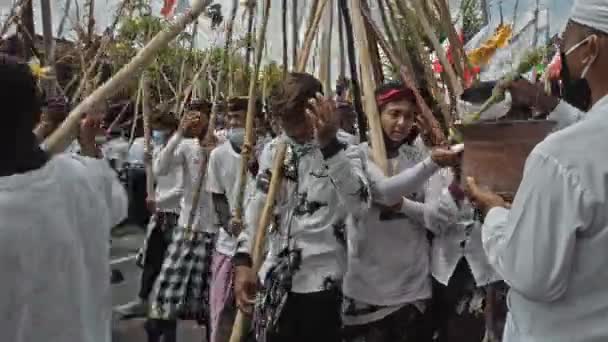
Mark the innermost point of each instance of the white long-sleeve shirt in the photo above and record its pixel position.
(388, 252)
(190, 157)
(457, 234)
(314, 210)
(169, 188)
(550, 247)
(54, 232)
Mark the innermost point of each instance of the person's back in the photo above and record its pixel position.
(54, 244)
(578, 297)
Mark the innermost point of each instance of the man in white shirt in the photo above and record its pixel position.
(223, 179)
(550, 246)
(324, 185)
(180, 286)
(165, 205)
(57, 212)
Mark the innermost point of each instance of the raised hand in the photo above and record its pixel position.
(324, 118)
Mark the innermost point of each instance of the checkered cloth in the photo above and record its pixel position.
(181, 290)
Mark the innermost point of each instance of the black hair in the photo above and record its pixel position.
(290, 97)
(19, 95)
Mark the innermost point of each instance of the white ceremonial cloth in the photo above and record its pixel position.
(550, 248)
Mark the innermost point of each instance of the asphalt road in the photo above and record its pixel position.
(125, 242)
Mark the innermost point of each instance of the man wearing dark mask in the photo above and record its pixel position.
(223, 177)
(575, 89)
(549, 245)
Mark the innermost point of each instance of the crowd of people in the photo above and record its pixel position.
(353, 252)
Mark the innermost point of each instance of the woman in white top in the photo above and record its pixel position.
(387, 281)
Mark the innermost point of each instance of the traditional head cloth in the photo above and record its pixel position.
(395, 94)
(591, 13)
(199, 105)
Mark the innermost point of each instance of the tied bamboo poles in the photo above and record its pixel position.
(241, 322)
(436, 133)
(63, 136)
(371, 108)
(311, 32)
(452, 80)
(350, 45)
(223, 68)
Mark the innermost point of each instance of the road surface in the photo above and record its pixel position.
(125, 242)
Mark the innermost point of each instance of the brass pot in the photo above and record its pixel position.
(495, 152)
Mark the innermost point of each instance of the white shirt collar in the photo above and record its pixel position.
(598, 106)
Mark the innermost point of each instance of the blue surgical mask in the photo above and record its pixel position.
(159, 137)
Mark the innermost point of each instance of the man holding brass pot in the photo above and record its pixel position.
(550, 244)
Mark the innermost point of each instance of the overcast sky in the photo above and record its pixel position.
(105, 9)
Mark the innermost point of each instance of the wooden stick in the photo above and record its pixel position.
(311, 32)
(438, 137)
(371, 107)
(63, 136)
(242, 322)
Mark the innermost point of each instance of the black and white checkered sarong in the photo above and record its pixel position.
(181, 290)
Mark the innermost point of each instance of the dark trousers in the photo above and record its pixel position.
(310, 317)
(136, 189)
(407, 324)
(161, 330)
(454, 326)
(156, 248)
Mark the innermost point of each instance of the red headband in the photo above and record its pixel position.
(395, 95)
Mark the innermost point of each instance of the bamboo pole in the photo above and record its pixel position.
(325, 60)
(294, 33)
(251, 5)
(452, 80)
(406, 58)
(437, 135)
(242, 323)
(352, 61)
(63, 136)
(49, 45)
(458, 55)
(371, 107)
(285, 40)
(147, 137)
(249, 141)
(311, 32)
(341, 42)
(374, 53)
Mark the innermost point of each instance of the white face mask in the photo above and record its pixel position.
(588, 62)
